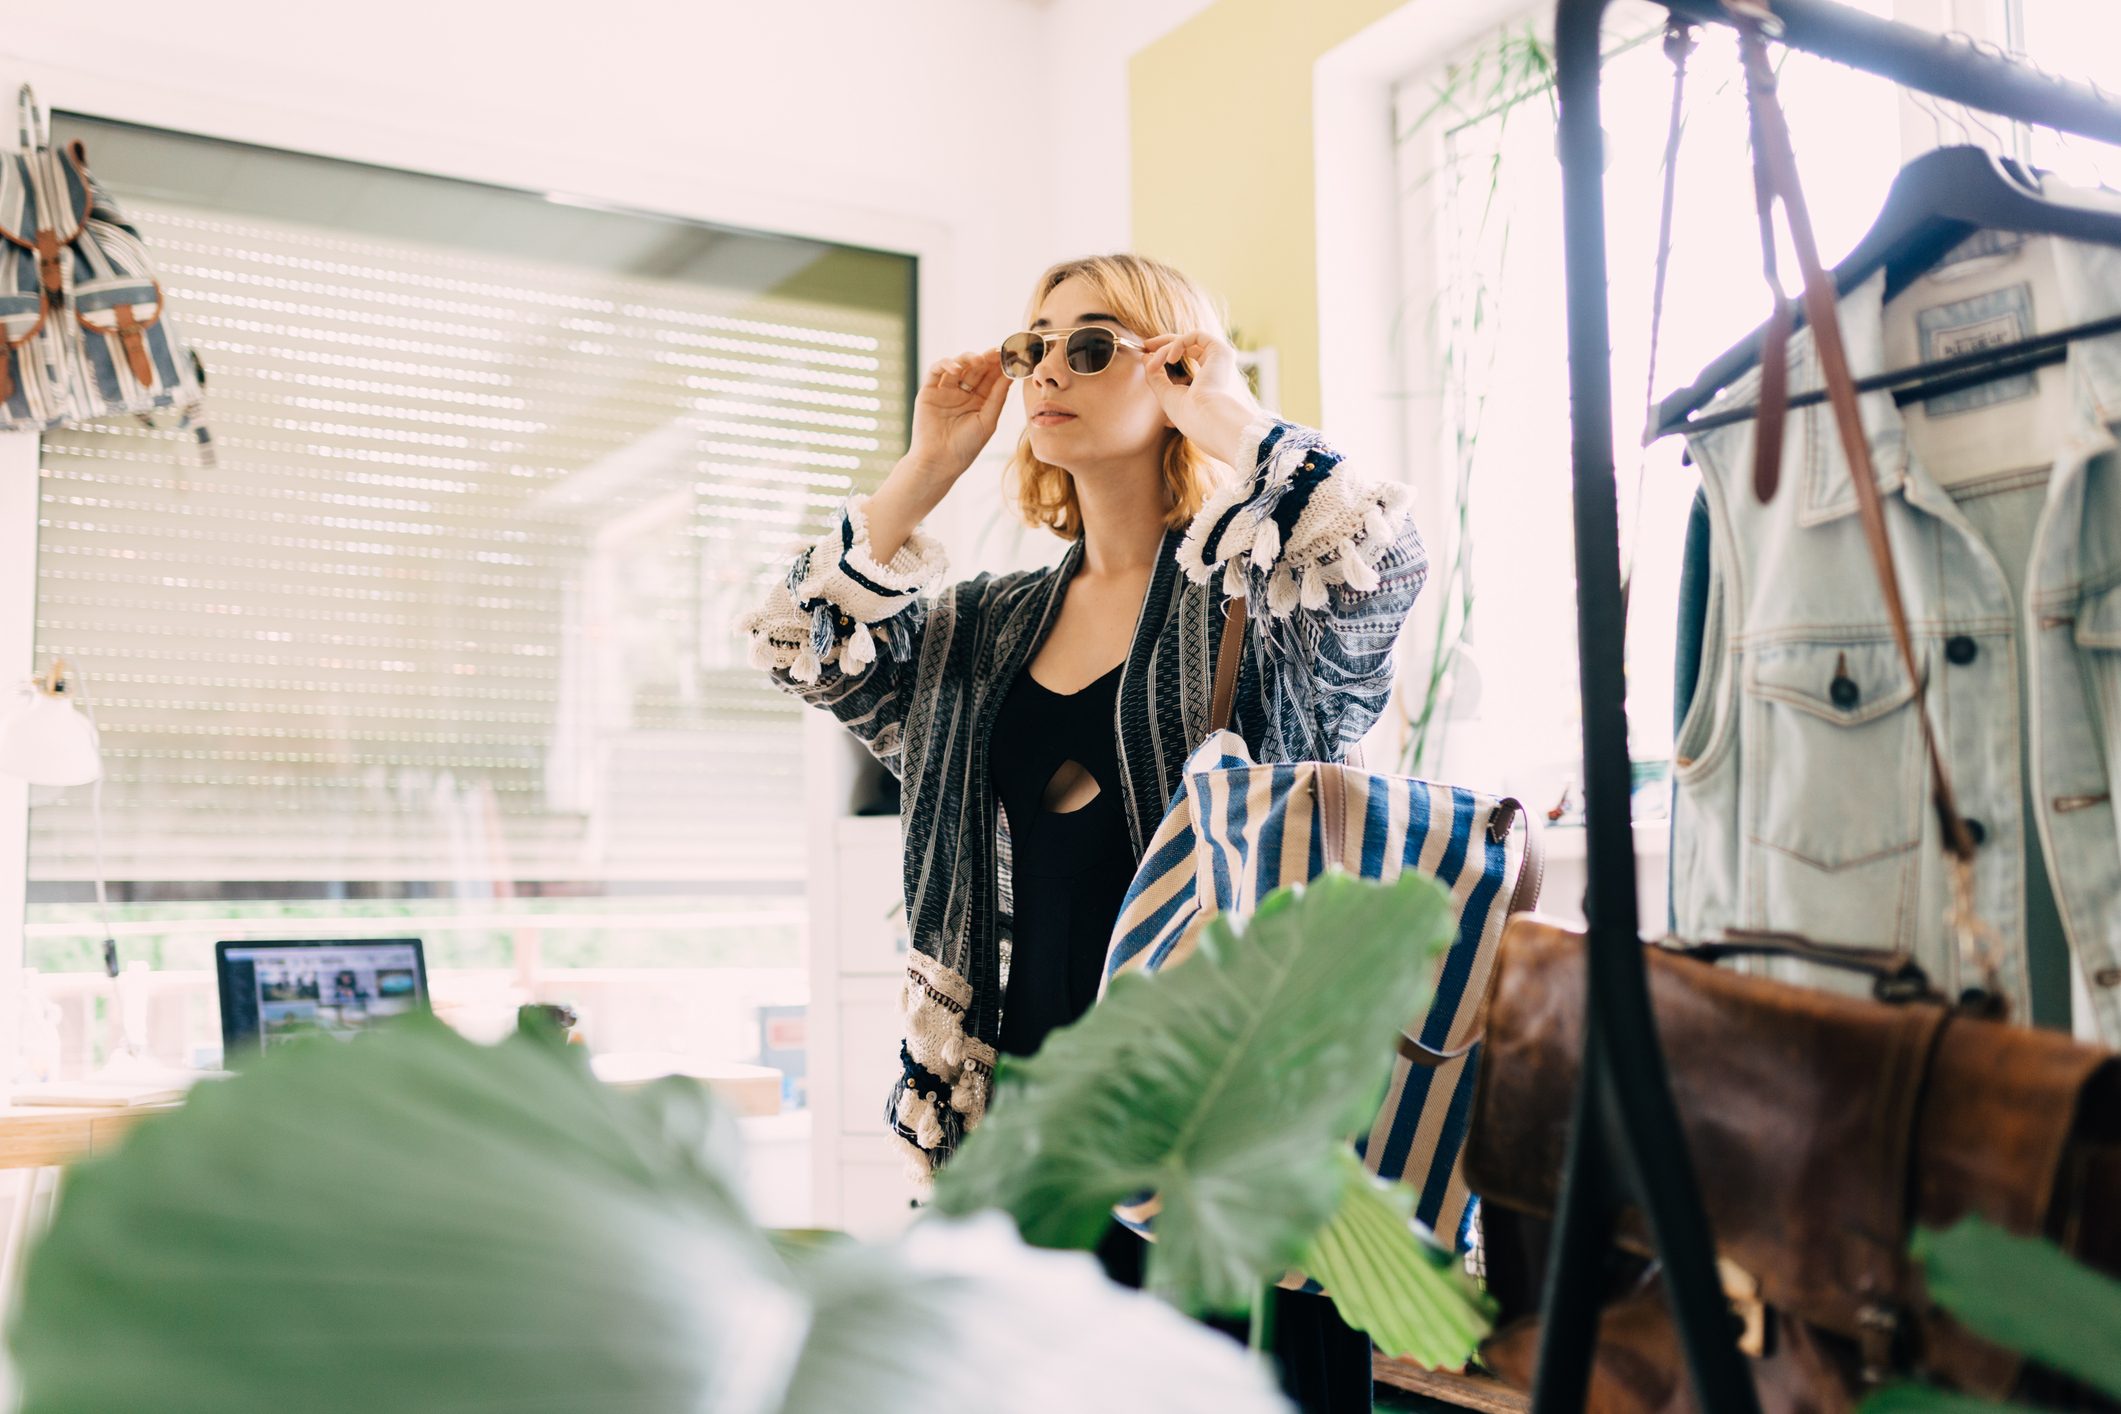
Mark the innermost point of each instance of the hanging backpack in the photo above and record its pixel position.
(83, 331)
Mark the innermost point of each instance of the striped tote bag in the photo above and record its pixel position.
(1239, 830)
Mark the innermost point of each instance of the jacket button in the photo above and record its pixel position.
(1844, 692)
(2107, 977)
(1976, 831)
(1960, 649)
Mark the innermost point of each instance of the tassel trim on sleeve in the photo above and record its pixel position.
(825, 611)
(1296, 525)
(946, 1074)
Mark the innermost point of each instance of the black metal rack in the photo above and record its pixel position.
(1625, 1140)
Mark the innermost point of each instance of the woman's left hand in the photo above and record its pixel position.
(1214, 407)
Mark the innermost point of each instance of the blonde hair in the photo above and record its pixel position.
(1149, 297)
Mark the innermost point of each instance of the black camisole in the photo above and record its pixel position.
(1070, 870)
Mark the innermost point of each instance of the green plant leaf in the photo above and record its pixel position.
(2027, 1295)
(407, 1222)
(416, 1224)
(1388, 1277)
(1921, 1399)
(1225, 1085)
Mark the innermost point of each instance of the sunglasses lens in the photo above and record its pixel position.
(1021, 353)
(1090, 350)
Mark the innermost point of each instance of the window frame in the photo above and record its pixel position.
(923, 240)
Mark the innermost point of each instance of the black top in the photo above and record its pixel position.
(1071, 870)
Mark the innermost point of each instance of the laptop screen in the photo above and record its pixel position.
(276, 993)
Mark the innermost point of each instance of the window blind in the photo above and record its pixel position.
(455, 601)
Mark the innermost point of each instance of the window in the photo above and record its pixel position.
(441, 645)
(1477, 142)
(2083, 42)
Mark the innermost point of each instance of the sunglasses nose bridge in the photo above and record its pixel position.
(1093, 345)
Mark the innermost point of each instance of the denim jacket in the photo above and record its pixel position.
(1802, 793)
(1330, 563)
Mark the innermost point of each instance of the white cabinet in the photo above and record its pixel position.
(858, 945)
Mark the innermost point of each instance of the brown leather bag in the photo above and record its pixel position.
(1822, 1129)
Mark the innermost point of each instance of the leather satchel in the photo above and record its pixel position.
(1822, 1128)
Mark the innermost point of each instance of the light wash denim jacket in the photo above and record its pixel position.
(1802, 793)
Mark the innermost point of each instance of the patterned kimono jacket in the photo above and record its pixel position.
(919, 676)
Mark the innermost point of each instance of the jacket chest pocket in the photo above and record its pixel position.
(1836, 818)
(2098, 639)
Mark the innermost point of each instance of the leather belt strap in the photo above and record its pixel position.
(1224, 703)
(1775, 178)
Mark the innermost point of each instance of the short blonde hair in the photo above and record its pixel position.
(1149, 297)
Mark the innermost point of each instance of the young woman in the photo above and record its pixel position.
(1038, 721)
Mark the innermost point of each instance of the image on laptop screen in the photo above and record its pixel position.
(276, 993)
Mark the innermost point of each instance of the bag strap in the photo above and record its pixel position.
(33, 129)
(1895, 976)
(1775, 179)
(1532, 873)
(1224, 703)
(1524, 897)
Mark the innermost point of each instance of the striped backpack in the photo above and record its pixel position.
(82, 332)
(1237, 831)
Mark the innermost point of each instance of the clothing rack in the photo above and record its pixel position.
(1625, 1143)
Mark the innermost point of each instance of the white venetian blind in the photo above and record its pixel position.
(455, 602)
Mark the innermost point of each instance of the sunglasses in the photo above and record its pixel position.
(1089, 348)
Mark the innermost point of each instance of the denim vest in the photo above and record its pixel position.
(1802, 793)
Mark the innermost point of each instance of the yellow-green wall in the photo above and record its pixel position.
(1223, 183)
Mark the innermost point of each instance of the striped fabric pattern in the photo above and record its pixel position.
(82, 328)
(1239, 830)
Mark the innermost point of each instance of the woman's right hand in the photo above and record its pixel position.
(955, 414)
(954, 417)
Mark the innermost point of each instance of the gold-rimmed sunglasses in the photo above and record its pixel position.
(1089, 348)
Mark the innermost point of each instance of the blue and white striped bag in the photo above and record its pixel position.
(1238, 831)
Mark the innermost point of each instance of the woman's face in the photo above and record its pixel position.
(1082, 422)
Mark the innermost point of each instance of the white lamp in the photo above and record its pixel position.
(47, 741)
(44, 738)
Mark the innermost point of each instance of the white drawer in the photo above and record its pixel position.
(871, 907)
(869, 1041)
(876, 1194)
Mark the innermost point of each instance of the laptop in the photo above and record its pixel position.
(276, 994)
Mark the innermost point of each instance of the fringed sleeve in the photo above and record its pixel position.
(826, 611)
(1331, 563)
(841, 630)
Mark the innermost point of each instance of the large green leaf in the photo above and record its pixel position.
(407, 1222)
(1921, 1399)
(416, 1224)
(1388, 1278)
(2025, 1294)
(1225, 1085)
